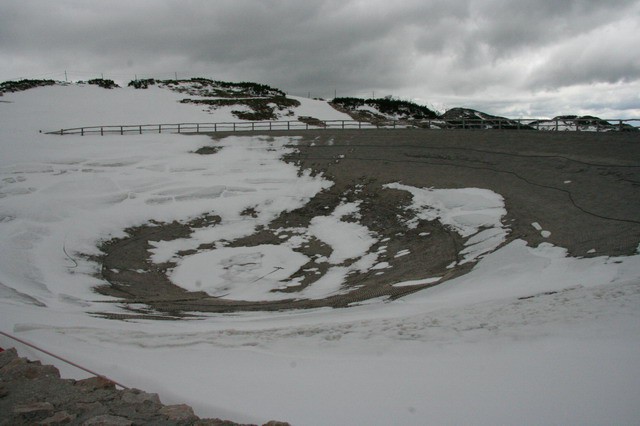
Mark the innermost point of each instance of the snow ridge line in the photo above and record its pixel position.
(31, 345)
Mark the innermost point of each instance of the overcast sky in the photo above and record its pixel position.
(517, 58)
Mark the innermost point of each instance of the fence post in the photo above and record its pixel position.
(178, 127)
(159, 128)
(252, 126)
(197, 127)
(121, 131)
(82, 131)
(342, 124)
(288, 125)
(556, 124)
(270, 125)
(140, 129)
(234, 126)
(215, 127)
(101, 131)
(620, 127)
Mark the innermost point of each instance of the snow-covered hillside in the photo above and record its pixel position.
(454, 117)
(75, 105)
(398, 113)
(583, 124)
(528, 336)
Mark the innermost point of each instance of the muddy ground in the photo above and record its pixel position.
(584, 188)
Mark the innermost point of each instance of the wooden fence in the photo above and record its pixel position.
(213, 127)
(463, 123)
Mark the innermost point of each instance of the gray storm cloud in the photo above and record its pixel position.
(472, 52)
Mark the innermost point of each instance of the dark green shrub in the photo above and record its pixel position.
(104, 83)
(20, 85)
(142, 83)
(226, 89)
(261, 108)
(388, 105)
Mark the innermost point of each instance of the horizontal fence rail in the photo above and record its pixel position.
(563, 124)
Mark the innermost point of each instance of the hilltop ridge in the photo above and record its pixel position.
(248, 101)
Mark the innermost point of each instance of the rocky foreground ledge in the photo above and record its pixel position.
(34, 394)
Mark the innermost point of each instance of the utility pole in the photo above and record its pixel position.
(175, 74)
(65, 76)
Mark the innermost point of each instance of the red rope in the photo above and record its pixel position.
(31, 345)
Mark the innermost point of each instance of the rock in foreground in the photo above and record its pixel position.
(34, 394)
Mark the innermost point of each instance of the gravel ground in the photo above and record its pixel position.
(582, 188)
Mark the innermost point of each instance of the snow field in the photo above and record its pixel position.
(529, 336)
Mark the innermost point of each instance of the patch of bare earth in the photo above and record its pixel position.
(584, 189)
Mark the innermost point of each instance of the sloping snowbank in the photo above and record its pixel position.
(76, 105)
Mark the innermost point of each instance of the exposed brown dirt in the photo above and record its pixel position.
(583, 188)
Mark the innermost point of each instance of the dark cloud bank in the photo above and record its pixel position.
(517, 58)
